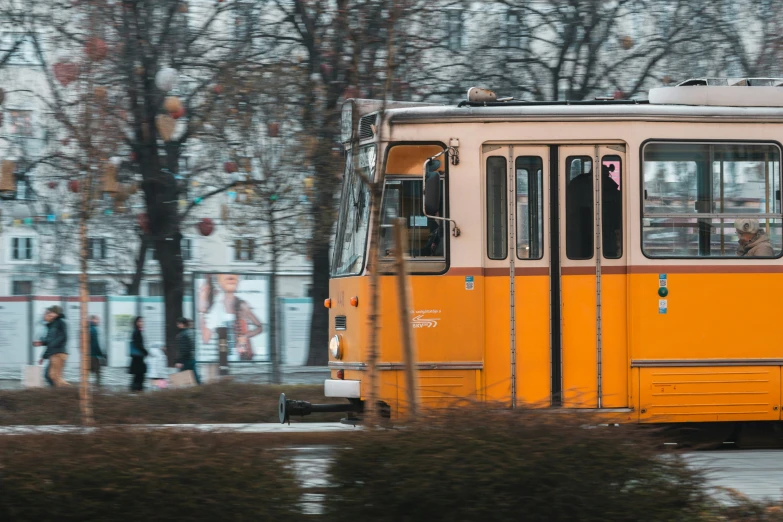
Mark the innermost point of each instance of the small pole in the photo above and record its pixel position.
(403, 303)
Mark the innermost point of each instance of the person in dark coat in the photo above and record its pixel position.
(186, 348)
(56, 341)
(96, 354)
(137, 352)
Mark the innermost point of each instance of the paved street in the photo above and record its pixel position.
(757, 474)
(118, 378)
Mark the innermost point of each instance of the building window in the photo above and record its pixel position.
(22, 249)
(21, 123)
(244, 249)
(96, 248)
(711, 200)
(155, 289)
(186, 248)
(152, 254)
(97, 288)
(22, 288)
(455, 29)
(513, 29)
(307, 289)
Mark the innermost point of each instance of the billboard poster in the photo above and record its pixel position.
(14, 321)
(294, 328)
(238, 302)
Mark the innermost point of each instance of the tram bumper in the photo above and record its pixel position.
(350, 390)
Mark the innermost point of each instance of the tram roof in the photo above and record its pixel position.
(702, 99)
(601, 111)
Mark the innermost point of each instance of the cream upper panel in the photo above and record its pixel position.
(465, 180)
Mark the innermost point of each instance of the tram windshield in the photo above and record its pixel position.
(351, 239)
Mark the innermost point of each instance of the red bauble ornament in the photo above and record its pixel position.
(73, 186)
(52, 185)
(217, 89)
(65, 72)
(144, 222)
(178, 113)
(95, 49)
(206, 226)
(230, 167)
(619, 95)
(273, 129)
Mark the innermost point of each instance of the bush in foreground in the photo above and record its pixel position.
(115, 475)
(472, 464)
(224, 402)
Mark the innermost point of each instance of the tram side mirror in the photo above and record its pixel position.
(431, 187)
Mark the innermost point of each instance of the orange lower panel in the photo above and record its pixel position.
(580, 366)
(708, 394)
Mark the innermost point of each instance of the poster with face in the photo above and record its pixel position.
(239, 303)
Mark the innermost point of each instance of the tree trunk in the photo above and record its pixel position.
(319, 325)
(274, 352)
(171, 267)
(135, 285)
(85, 399)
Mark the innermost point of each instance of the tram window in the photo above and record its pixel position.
(611, 207)
(694, 193)
(497, 208)
(530, 207)
(426, 236)
(579, 208)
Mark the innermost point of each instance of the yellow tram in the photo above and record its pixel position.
(597, 266)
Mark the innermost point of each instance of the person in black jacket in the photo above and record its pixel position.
(186, 348)
(97, 357)
(137, 352)
(56, 340)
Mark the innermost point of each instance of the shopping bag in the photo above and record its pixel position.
(182, 379)
(32, 376)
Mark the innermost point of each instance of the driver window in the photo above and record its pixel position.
(426, 236)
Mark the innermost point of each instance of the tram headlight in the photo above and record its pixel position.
(335, 347)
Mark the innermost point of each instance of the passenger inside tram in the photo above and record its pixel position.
(753, 241)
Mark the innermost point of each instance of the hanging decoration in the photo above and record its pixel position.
(95, 49)
(109, 178)
(73, 186)
(166, 79)
(172, 104)
(65, 72)
(178, 114)
(273, 129)
(52, 185)
(230, 167)
(246, 164)
(183, 7)
(100, 93)
(166, 125)
(206, 226)
(627, 43)
(232, 196)
(143, 222)
(217, 88)
(618, 94)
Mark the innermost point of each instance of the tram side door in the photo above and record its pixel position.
(516, 269)
(592, 196)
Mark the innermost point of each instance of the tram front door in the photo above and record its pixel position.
(555, 278)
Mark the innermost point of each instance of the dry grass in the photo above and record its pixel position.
(225, 402)
(474, 464)
(120, 475)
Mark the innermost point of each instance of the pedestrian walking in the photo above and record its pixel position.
(157, 365)
(137, 352)
(97, 357)
(186, 348)
(55, 341)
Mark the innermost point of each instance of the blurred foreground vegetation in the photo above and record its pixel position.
(463, 464)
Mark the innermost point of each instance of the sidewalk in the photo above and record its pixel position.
(118, 378)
